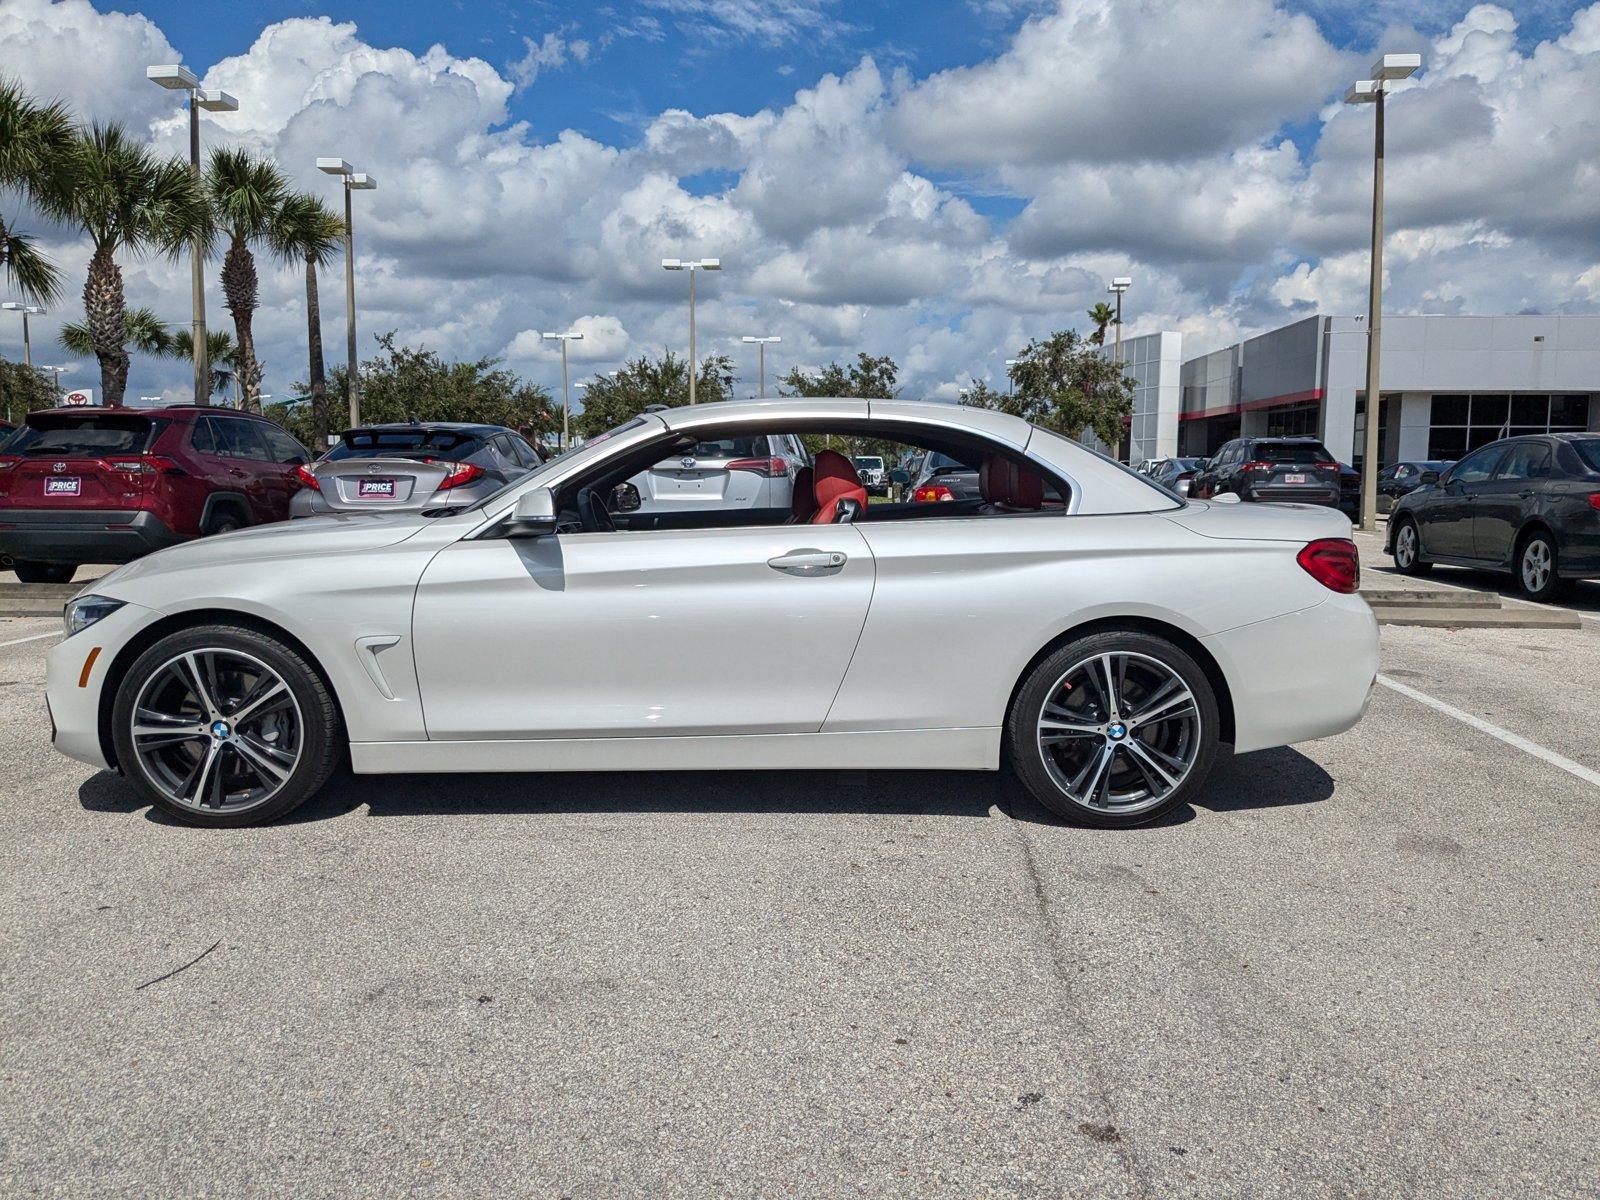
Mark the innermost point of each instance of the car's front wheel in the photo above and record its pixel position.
(1114, 729)
(1408, 558)
(222, 726)
(40, 572)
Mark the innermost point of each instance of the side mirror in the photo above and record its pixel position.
(535, 514)
(625, 498)
(1430, 477)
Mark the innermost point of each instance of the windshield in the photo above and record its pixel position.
(871, 464)
(403, 443)
(1589, 450)
(90, 437)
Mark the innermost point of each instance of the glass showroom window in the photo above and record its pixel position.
(1462, 422)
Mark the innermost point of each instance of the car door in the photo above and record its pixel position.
(1504, 501)
(281, 483)
(1446, 518)
(640, 633)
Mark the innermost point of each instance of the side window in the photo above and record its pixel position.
(524, 452)
(1477, 466)
(201, 437)
(504, 452)
(283, 447)
(1529, 460)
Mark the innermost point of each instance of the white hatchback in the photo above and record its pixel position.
(1093, 631)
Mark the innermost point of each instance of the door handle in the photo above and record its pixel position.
(1525, 494)
(235, 472)
(808, 562)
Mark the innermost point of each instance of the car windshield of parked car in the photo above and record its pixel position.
(404, 443)
(1292, 452)
(1589, 450)
(866, 463)
(86, 436)
(731, 447)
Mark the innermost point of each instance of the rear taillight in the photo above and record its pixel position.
(306, 478)
(1326, 466)
(8, 461)
(1335, 563)
(146, 464)
(1256, 466)
(1594, 501)
(761, 466)
(936, 491)
(460, 474)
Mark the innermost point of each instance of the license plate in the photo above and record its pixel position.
(375, 489)
(63, 485)
(1296, 478)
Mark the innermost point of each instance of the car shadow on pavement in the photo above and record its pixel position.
(1269, 779)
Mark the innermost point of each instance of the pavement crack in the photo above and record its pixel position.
(1108, 1130)
(177, 970)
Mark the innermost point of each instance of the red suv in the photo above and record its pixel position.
(107, 485)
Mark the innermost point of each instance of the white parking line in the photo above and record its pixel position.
(1505, 735)
(35, 638)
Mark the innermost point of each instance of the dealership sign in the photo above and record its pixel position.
(77, 398)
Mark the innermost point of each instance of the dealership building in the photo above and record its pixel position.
(1450, 384)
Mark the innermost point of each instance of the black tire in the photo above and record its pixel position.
(1027, 756)
(224, 520)
(39, 572)
(1408, 558)
(320, 741)
(1538, 584)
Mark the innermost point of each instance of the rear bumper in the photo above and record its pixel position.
(1292, 495)
(1301, 676)
(82, 535)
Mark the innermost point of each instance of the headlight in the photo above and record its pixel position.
(83, 612)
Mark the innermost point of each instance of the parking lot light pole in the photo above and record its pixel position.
(1386, 70)
(566, 394)
(692, 266)
(762, 342)
(180, 79)
(1119, 285)
(26, 310)
(1011, 384)
(57, 372)
(354, 181)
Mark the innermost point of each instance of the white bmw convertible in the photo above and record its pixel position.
(1094, 632)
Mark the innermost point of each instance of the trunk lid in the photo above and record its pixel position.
(1261, 522)
(377, 484)
(94, 460)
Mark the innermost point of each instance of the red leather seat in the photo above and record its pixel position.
(1027, 489)
(803, 503)
(994, 478)
(836, 481)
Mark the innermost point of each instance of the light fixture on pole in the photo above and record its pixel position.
(1385, 71)
(58, 372)
(1119, 285)
(693, 266)
(566, 395)
(181, 79)
(1011, 384)
(763, 342)
(26, 310)
(354, 181)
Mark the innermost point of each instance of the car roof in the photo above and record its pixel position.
(131, 410)
(428, 427)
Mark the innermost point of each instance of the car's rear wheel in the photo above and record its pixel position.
(1114, 729)
(1408, 558)
(224, 726)
(39, 572)
(1536, 567)
(224, 521)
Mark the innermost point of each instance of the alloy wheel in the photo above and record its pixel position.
(217, 730)
(1119, 732)
(1405, 546)
(1536, 565)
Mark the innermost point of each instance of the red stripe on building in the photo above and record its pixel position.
(1253, 405)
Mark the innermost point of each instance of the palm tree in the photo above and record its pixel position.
(34, 139)
(308, 231)
(1101, 314)
(125, 198)
(246, 195)
(143, 332)
(221, 353)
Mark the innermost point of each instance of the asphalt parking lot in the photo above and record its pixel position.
(1361, 967)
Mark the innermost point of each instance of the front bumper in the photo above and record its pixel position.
(97, 535)
(75, 677)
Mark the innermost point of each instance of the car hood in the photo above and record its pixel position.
(339, 533)
(1261, 522)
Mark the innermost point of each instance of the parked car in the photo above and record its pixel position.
(757, 471)
(542, 630)
(1349, 491)
(1175, 474)
(1527, 505)
(107, 485)
(873, 474)
(416, 465)
(1404, 478)
(1267, 469)
(941, 476)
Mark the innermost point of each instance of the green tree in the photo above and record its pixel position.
(34, 140)
(24, 389)
(124, 198)
(1102, 315)
(405, 384)
(645, 382)
(868, 378)
(221, 354)
(306, 232)
(247, 194)
(142, 333)
(981, 395)
(1066, 384)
